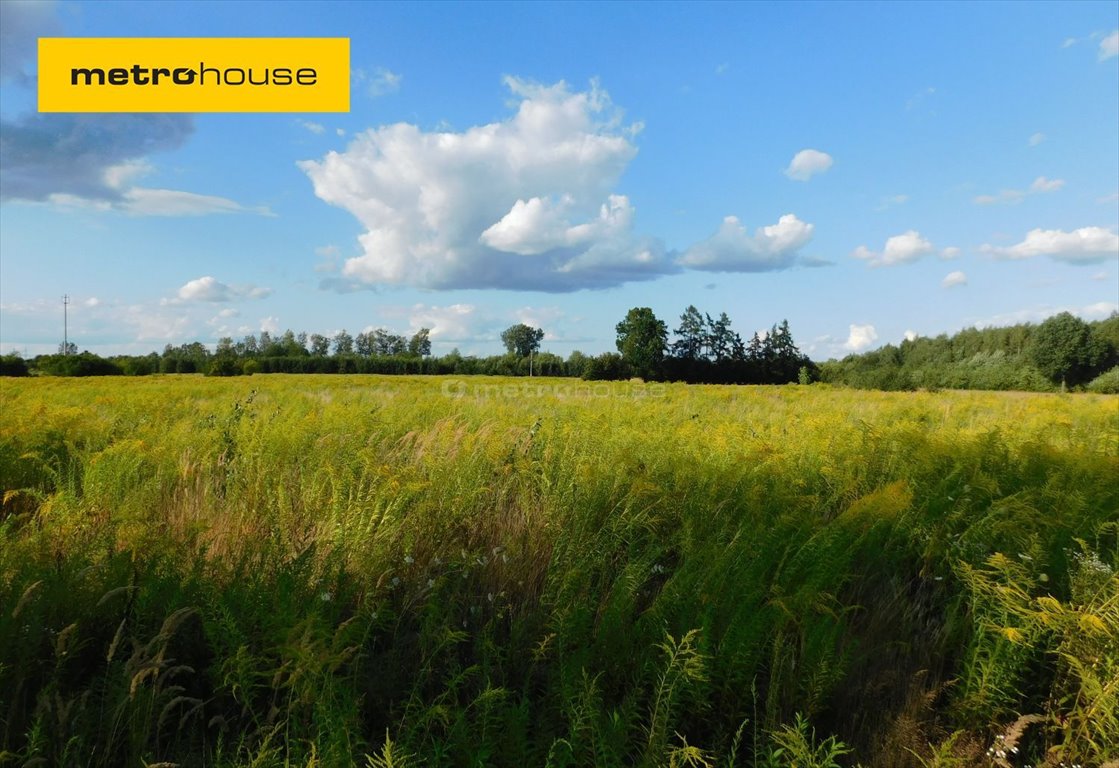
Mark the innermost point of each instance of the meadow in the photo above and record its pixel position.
(425, 571)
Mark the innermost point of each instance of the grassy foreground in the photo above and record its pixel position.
(301, 570)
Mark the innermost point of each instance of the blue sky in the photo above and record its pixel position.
(865, 170)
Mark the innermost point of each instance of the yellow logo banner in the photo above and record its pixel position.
(194, 74)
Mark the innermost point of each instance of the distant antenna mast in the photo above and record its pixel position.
(65, 325)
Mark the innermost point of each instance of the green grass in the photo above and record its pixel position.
(300, 570)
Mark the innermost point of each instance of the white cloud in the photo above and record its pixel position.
(892, 201)
(1113, 197)
(910, 335)
(807, 163)
(953, 279)
(1042, 184)
(1005, 196)
(537, 226)
(270, 324)
(457, 322)
(209, 288)
(382, 82)
(146, 201)
(1037, 138)
(1095, 311)
(525, 203)
(92, 301)
(538, 317)
(1109, 46)
(1100, 276)
(921, 100)
(205, 289)
(900, 249)
(951, 252)
(316, 128)
(860, 337)
(1087, 245)
(140, 201)
(734, 249)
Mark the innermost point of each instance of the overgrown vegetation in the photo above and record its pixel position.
(326, 571)
(1061, 352)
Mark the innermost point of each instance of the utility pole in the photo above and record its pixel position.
(65, 325)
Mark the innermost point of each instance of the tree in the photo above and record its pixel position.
(320, 345)
(1064, 349)
(225, 347)
(388, 344)
(268, 345)
(784, 360)
(522, 340)
(722, 342)
(363, 344)
(691, 341)
(291, 346)
(249, 346)
(343, 343)
(420, 343)
(642, 340)
(67, 348)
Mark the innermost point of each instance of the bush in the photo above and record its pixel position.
(606, 367)
(1106, 383)
(13, 365)
(85, 364)
(224, 366)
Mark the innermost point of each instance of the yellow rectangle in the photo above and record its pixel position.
(194, 74)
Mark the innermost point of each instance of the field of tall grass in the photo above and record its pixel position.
(375, 571)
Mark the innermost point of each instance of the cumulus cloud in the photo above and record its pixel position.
(807, 163)
(733, 249)
(910, 335)
(899, 249)
(315, 128)
(524, 203)
(1109, 46)
(860, 337)
(208, 288)
(1037, 138)
(1040, 185)
(1087, 245)
(457, 322)
(949, 253)
(953, 279)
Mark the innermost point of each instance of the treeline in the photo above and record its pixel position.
(705, 350)
(1063, 352)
